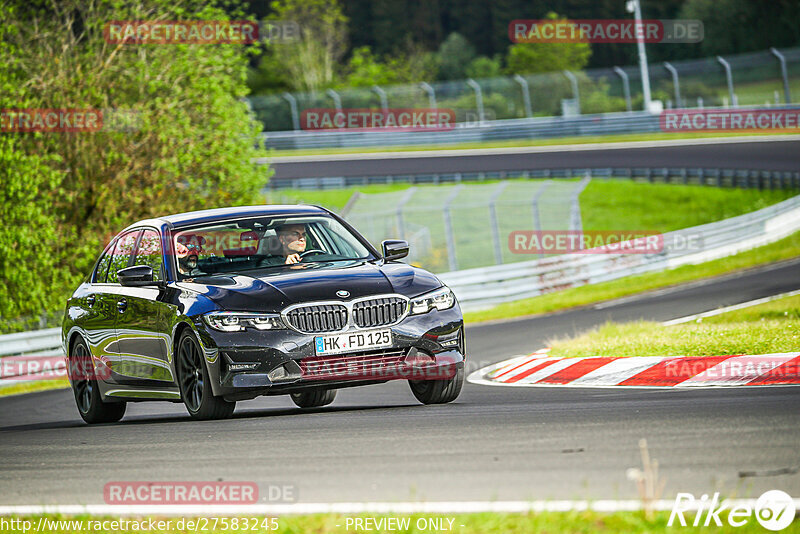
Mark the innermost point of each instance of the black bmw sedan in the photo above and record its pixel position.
(212, 307)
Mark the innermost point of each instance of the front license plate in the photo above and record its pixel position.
(352, 342)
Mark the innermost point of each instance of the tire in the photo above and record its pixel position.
(194, 384)
(87, 393)
(314, 398)
(438, 391)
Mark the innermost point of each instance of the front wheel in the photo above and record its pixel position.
(314, 398)
(195, 385)
(438, 391)
(87, 393)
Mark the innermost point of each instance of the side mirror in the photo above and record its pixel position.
(394, 249)
(136, 276)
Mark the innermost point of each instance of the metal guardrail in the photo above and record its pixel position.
(482, 287)
(482, 131)
(24, 352)
(717, 177)
(499, 130)
(32, 343)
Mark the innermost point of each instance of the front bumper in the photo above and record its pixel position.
(251, 363)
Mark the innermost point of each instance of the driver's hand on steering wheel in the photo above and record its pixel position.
(292, 258)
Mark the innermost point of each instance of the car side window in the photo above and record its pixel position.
(149, 253)
(121, 255)
(102, 266)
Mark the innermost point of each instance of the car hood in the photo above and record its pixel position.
(270, 291)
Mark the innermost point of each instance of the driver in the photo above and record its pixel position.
(292, 238)
(187, 255)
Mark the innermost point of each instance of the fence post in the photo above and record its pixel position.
(575, 94)
(498, 249)
(293, 107)
(626, 87)
(478, 97)
(526, 95)
(384, 101)
(401, 227)
(452, 261)
(729, 77)
(336, 100)
(675, 83)
(431, 93)
(787, 95)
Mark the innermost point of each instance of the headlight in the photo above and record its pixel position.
(238, 321)
(441, 299)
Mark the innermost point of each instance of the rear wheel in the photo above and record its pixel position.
(438, 391)
(314, 398)
(195, 385)
(87, 393)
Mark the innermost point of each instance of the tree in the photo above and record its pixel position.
(312, 59)
(485, 67)
(526, 58)
(454, 56)
(366, 70)
(735, 26)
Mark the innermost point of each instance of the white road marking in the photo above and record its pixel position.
(434, 507)
(726, 309)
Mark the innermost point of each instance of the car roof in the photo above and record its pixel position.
(220, 214)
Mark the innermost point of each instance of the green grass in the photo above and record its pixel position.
(628, 205)
(482, 523)
(786, 248)
(31, 387)
(762, 329)
(612, 204)
(616, 138)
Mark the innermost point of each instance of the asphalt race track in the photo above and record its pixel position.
(493, 443)
(775, 154)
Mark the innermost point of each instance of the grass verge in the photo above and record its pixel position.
(762, 329)
(784, 249)
(606, 204)
(31, 387)
(507, 523)
(616, 138)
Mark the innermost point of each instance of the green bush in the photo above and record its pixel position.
(189, 145)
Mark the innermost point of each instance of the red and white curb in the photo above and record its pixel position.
(539, 369)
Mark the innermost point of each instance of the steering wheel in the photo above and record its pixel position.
(313, 251)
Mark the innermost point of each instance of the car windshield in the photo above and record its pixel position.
(268, 244)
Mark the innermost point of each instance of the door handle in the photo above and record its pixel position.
(90, 300)
(122, 305)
